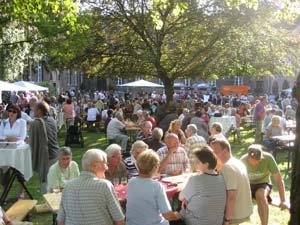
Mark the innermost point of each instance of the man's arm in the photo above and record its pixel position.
(230, 202)
(281, 189)
(164, 163)
(122, 222)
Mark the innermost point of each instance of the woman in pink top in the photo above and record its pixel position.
(69, 113)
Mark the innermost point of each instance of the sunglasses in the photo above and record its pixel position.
(12, 111)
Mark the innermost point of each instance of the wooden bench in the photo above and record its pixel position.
(20, 209)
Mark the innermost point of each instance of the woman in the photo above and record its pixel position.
(175, 127)
(273, 129)
(147, 202)
(204, 196)
(13, 129)
(69, 113)
(136, 149)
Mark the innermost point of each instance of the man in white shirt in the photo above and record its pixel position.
(115, 130)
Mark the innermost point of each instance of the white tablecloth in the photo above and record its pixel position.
(226, 121)
(18, 158)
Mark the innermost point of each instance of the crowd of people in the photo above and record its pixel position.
(173, 139)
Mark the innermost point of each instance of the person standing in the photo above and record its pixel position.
(238, 203)
(259, 117)
(260, 166)
(43, 143)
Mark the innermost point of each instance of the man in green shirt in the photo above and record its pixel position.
(62, 171)
(260, 166)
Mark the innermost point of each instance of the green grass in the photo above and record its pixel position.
(98, 140)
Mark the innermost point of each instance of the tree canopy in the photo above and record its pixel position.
(172, 39)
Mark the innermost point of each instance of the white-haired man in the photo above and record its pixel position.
(90, 199)
(193, 142)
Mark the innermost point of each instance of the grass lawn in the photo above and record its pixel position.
(98, 140)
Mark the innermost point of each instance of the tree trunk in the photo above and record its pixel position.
(295, 185)
(169, 89)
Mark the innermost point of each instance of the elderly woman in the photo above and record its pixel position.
(147, 202)
(136, 149)
(116, 169)
(175, 128)
(13, 128)
(145, 132)
(204, 196)
(273, 129)
(216, 130)
(154, 142)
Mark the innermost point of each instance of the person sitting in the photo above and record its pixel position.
(260, 166)
(115, 130)
(90, 198)
(150, 118)
(62, 171)
(92, 114)
(145, 132)
(273, 129)
(204, 196)
(194, 141)
(174, 160)
(116, 169)
(175, 128)
(136, 149)
(147, 202)
(14, 128)
(108, 119)
(216, 130)
(154, 142)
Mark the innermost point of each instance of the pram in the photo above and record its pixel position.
(74, 135)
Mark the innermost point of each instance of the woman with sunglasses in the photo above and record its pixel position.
(13, 129)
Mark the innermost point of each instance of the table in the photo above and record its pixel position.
(53, 201)
(227, 122)
(289, 139)
(131, 131)
(18, 160)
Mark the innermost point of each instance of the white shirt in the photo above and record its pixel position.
(18, 129)
(92, 114)
(114, 128)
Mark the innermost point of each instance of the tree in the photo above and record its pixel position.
(295, 186)
(172, 39)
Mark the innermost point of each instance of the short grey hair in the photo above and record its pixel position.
(218, 126)
(91, 156)
(157, 133)
(112, 149)
(138, 145)
(65, 151)
(192, 128)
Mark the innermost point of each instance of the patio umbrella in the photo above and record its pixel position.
(5, 86)
(30, 86)
(142, 84)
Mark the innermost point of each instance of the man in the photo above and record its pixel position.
(259, 117)
(115, 130)
(32, 103)
(239, 203)
(116, 168)
(89, 198)
(145, 132)
(62, 171)
(260, 166)
(173, 158)
(43, 143)
(194, 141)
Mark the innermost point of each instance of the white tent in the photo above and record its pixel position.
(30, 87)
(5, 86)
(142, 84)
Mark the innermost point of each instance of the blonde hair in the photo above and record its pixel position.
(146, 161)
(173, 123)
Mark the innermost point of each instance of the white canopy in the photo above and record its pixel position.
(30, 86)
(142, 84)
(5, 86)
